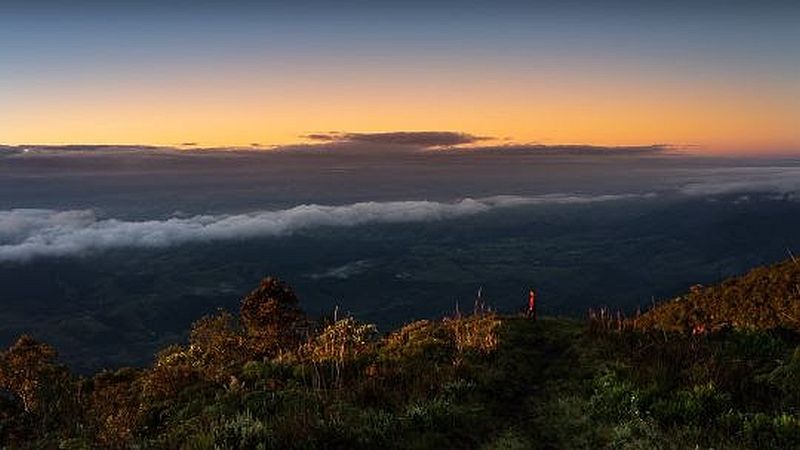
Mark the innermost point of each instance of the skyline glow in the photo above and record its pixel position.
(724, 76)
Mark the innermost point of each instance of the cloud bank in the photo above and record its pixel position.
(737, 180)
(350, 143)
(571, 150)
(30, 233)
(421, 139)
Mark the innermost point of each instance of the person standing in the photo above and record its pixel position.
(531, 305)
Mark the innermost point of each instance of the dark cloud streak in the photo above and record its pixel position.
(576, 149)
(352, 143)
(424, 139)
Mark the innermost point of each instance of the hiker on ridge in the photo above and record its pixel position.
(531, 305)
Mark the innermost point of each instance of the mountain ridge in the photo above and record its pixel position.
(272, 378)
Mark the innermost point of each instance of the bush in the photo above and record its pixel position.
(244, 432)
(476, 333)
(786, 379)
(217, 347)
(342, 341)
(508, 440)
(764, 431)
(700, 405)
(613, 399)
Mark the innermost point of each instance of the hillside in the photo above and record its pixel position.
(764, 298)
(271, 378)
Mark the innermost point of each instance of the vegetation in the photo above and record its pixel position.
(764, 298)
(271, 378)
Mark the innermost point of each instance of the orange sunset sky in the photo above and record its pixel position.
(722, 82)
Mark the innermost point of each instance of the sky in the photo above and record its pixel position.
(715, 76)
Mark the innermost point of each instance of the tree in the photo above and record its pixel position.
(47, 392)
(25, 369)
(272, 317)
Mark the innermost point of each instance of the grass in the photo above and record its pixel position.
(481, 381)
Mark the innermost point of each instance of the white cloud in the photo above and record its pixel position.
(769, 180)
(344, 272)
(31, 233)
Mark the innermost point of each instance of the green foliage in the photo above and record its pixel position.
(614, 399)
(786, 378)
(509, 440)
(341, 341)
(217, 347)
(475, 334)
(699, 405)
(750, 344)
(763, 430)
(421, 341)
(244, 432)
(481, 381)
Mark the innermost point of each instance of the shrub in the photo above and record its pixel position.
(46, 391)
(422, 341)
(614, 399)
(764, 431)
(508, 440)
(114, 404)
(342, 341)
(476, 333)
(700, 405)
(28, 370)
(244, 432)
(217, 347)
(786, 378)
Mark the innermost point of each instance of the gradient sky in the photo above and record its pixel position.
(724, 75)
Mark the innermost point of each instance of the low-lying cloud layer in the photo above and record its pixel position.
(767, 180)
(30, 233)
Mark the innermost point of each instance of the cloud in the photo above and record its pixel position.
(421, 139)
(454, 143)
(325, 137)
(30, 233)
(83, 150)
(737, 180)
(344, 272)
(573, 150)
(349, 143)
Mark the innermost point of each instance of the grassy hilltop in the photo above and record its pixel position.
(716, 368)
(764, 298)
